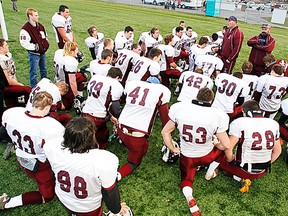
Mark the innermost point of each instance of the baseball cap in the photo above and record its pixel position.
(231, 18)
(265, 25)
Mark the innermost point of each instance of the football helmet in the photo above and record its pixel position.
(167, 155)
(80, 56)
(128, 213)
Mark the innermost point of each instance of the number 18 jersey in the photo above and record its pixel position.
(142, 102)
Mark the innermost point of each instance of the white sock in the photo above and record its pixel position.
(14, 202)
(237, 178)
(212, 167)
(187, 191)
(80, 93)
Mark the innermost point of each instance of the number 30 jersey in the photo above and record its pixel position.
(197, 124)
(29, 133)
(257, 137)
(142, 101)
(80, 177)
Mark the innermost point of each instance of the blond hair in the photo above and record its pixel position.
(41, 100)
(69, 47)
(62, 86)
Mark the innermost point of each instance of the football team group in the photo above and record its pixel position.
(224, 118)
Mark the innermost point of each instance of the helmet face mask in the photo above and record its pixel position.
(80, 56)
(167, 155)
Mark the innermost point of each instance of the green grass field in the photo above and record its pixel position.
(153, 189)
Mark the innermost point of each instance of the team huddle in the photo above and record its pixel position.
(224, 118)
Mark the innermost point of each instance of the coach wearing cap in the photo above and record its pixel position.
(232, 42)
(262, 45)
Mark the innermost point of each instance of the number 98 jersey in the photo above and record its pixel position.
(142, 101)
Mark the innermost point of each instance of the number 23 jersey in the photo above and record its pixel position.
(142, 101)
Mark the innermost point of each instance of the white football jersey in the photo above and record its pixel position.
(44, 85)
(96, 67)
(228, 90)
(144, 68)
(30, 133)
(284, 106)
(7, 63)
(252, 81)
(125, 60)
(101, 92)
(59, 21)
(273, 88)
(70, 66)
(257, 137)
(220, 37)
(58, 65)
(80, 177)
(167, 51)
(197, 124)
(192, 82)
(194, 52)
(96, 43)
(141, 103)
(142, 37)
(178, 44)
(209, 64)
(189, 41)
(121, 42)
(152, 42)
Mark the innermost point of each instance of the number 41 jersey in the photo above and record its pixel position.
(142, 101)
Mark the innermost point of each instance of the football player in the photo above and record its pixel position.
(126, 59)
(151, 40)
(191, 82)
(189, 38)
(283, 119)
(181, 24)
(146, 67)
(269, 61)
(251, 80)
(29, 131)
(81, 187)
(56, 91)
(230, 89)
(197, 123)
(168, 66)
(62, 25)
(197, 49)
(178, 45)
(257, 148)
(15, 93)
(137, 117)
(103, 104)
(95, 42)
(270, 90)
(124, 39)
(102, 66)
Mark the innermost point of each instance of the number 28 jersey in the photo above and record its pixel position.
(142, 102)
(197, 124)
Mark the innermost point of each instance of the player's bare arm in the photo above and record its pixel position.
(167, 138)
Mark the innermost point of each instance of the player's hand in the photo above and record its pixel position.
(230, 158)
(114, 120)
(227, 61)
(176, 150)
(124, 208)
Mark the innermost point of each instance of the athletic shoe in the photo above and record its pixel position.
(8, 151)
(3, 200)
(245, 184)
(209, 176)
(192, 204)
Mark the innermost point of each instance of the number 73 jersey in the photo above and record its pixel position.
(142, 101)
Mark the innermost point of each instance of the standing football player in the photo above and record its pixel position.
(81, 187)
(104, 93)
(137, 117)
(29, 131)
(62, 25)
(197, 123)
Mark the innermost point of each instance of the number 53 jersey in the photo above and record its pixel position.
(142, 101)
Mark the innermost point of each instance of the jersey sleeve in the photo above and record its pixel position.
(235, 128)
(223, 122)
(170, 52)
(117, 91)
(261, 83)
(166, 94)
(71, 66)
(109, 172)
(173, 111)
(219, 65)
(90, 42)
(58, 22)
(154, 68)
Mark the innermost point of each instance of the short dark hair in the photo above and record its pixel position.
(247, 67)
(79, 135)
(181, 21)
(62, 8)
(278, 69)
(106, 53)
(250, 105)
(238, 74)
(205, 94)
(152, 31)
(188, 27)
(168, 38)
(203, 40)
(179, 28)
(90, 30)
(114, 72)
(154, 52)
(215, 36)
(128, 29)
(134, 46)
(2, 40)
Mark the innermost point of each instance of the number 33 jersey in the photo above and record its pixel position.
(142, 101)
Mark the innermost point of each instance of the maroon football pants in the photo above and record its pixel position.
(11, 94)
